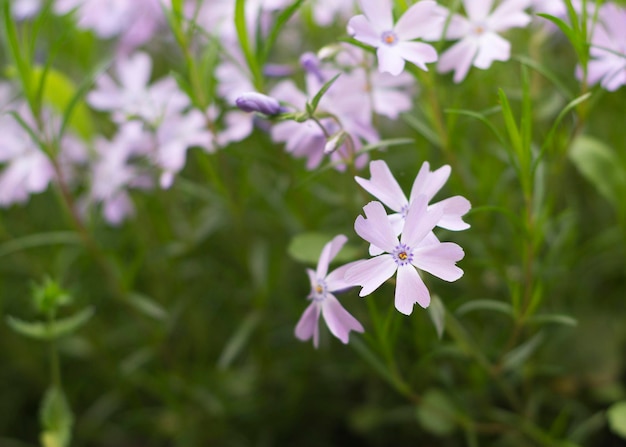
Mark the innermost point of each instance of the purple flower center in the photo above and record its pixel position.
(319, 290)
(402, 254)
(404, 211)
(389, 38)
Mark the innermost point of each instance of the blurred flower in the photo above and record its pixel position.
(608, 49)
(113, 174)
(24, 9)
(325, 11)
(393, 42)
(258, 102)
(415, 249)
(323, 302)
(480, 43)
(385, 188)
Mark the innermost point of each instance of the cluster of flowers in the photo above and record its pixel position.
(157, 122)
(400, 243)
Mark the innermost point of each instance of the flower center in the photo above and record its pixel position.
(389, 38)
(402, 254)
(319, 290)
(480, 28)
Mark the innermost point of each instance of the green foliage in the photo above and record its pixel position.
(56, 419)
(51, 330)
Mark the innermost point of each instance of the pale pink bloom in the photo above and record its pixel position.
(326, 11)
(608, 49)
(415, 250)
(113, 174)
(480, 42)
(323, 302)
(174, 136)
(133, 97)
(135, 22)
(24, 9)
(385, 188)
(394, 42)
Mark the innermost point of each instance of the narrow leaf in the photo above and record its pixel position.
(282, 18)
(47, 331)
(490, 305)
(437, 313)
(518, 356)
(318, 96)
(56, 419)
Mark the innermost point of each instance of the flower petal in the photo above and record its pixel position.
(338, 319)
(361, 29)
(389, 60)
(376, 228)
(477, 10)
(378, 12)
(418, 53)
(492, 48)
(453, 209)
(307, 326)
(329, 251)
(439, 260)
(509, 14)
(383, 186)
(410, 289)
(419, 222)
(429, 183)
(458, 57)
(336, 280)
(371, 273)
(416, 19)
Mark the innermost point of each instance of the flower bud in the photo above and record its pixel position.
(258, 102)
(335, 142)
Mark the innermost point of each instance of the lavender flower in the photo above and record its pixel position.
(323, 302)
(415, 249)
(480, 43)
(393, 42)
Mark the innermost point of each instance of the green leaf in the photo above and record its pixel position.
(569, 32)
(307, 247)
(616, 415)
(238, 340)
(56, 419)
(282, 18)
(516, 358)
(601, 167)
(564, 320)
(491, 305)
(47, 331)
(422, 128)
(436, 413)
(148, 306)
(437, 313)
(318, 96)
(38, 240)
(244, 42)
(60, 93)
(481, 117)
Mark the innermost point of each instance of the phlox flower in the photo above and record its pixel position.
(133, 97)
(325, 11)
(323, 302)
(385, 188)
(480, 42)
(414, 250)
(608, 49)
(394, 42)
(24, 9)
(113, 174)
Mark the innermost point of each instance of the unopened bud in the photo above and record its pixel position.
(335, 142)
(258, 102)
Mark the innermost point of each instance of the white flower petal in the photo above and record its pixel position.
(410, 289)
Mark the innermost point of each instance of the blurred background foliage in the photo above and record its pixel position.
(197, 296)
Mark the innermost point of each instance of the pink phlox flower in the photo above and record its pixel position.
(114, 173)
(326, 11)
(24, 9)
(344, 100)
(133, 97)
(27, 169)
(480, 42)
(608, 49)
(415, 250)
(323, 302)
(174, 137)
(394, 42)
(135, 22)
(385, 188)
(390, 95)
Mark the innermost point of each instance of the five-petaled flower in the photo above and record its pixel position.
(417, 248)
(480, 42)
(323, 302)
(393, 42)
